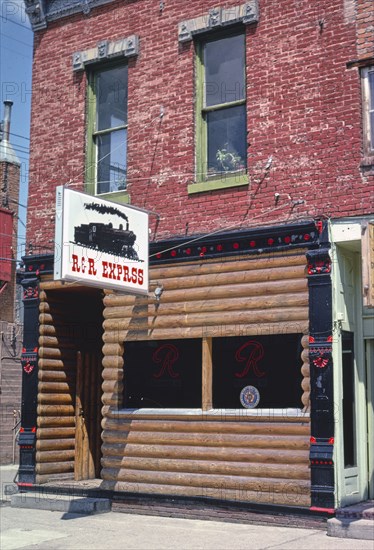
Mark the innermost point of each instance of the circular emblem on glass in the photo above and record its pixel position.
(249, 397)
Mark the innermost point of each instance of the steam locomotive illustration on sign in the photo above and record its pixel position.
(105, 237)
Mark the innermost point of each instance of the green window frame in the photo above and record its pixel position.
(106, 160)
(221, 125)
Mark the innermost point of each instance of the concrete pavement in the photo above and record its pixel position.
(46, 530)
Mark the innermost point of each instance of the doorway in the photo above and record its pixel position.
(350, 384)
(87, 309)
(70, 382)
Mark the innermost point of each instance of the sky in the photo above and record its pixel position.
(16, 40)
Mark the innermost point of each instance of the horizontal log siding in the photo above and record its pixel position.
(57, 372)
(217, 298)
(243, 458)
(246, 459)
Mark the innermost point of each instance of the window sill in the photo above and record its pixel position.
(367, 161)
(224, 182)
(121, 197)
(227, 414)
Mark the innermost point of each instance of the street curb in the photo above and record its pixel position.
(351, 528)
(61, 503)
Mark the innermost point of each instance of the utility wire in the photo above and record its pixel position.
(112, 151)
(19, 136)
(19, 204)
(16, 53)
(15, 39)
(15, 23)
(206, 235)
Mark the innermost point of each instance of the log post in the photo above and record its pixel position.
(305, 371)
(207, 375)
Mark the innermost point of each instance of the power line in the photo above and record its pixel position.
(121, 144)
(19, 136)
(17, 53)
(24, 150)
(19, 204)
(15, 39)
(15, 23)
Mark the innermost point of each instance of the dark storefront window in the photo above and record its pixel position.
(270, 363)
(164, 374)
(348, 400)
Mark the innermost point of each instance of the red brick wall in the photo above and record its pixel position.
(10, 386)
(303, 110)
(12, 174)
(365, 29)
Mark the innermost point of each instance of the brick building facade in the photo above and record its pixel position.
(10, 327)
(303, 111)
(246, 130)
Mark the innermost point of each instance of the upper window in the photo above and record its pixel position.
(368, 110)
(107, 131)
(221, 108)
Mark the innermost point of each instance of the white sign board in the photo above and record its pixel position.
(100, 243)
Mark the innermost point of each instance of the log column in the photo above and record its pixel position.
(56, 390)
(112, 388)
(207, 376)
(305, 371)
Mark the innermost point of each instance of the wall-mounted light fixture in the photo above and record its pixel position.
(158, 291)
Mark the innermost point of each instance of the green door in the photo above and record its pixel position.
(350, 380)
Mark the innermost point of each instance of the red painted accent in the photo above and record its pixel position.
(270, 241)
(256, 353)
(320, 362)
(319, 226)
(166, 360)
(329, 339)
(21, 430)
(25, 484)
(311, 340)
(23, 350)
(236, 246)
(219, 247)
(252, 244)
(158, 255)
(173, 253)
(331, 441)
(306, 237)
(188, 251)
(35, 350)
(33, 430)
(287, 240)
(313, 439)
(317, 509)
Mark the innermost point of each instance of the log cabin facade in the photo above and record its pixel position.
(255, 254)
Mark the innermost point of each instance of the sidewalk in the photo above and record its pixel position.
(45, 530)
